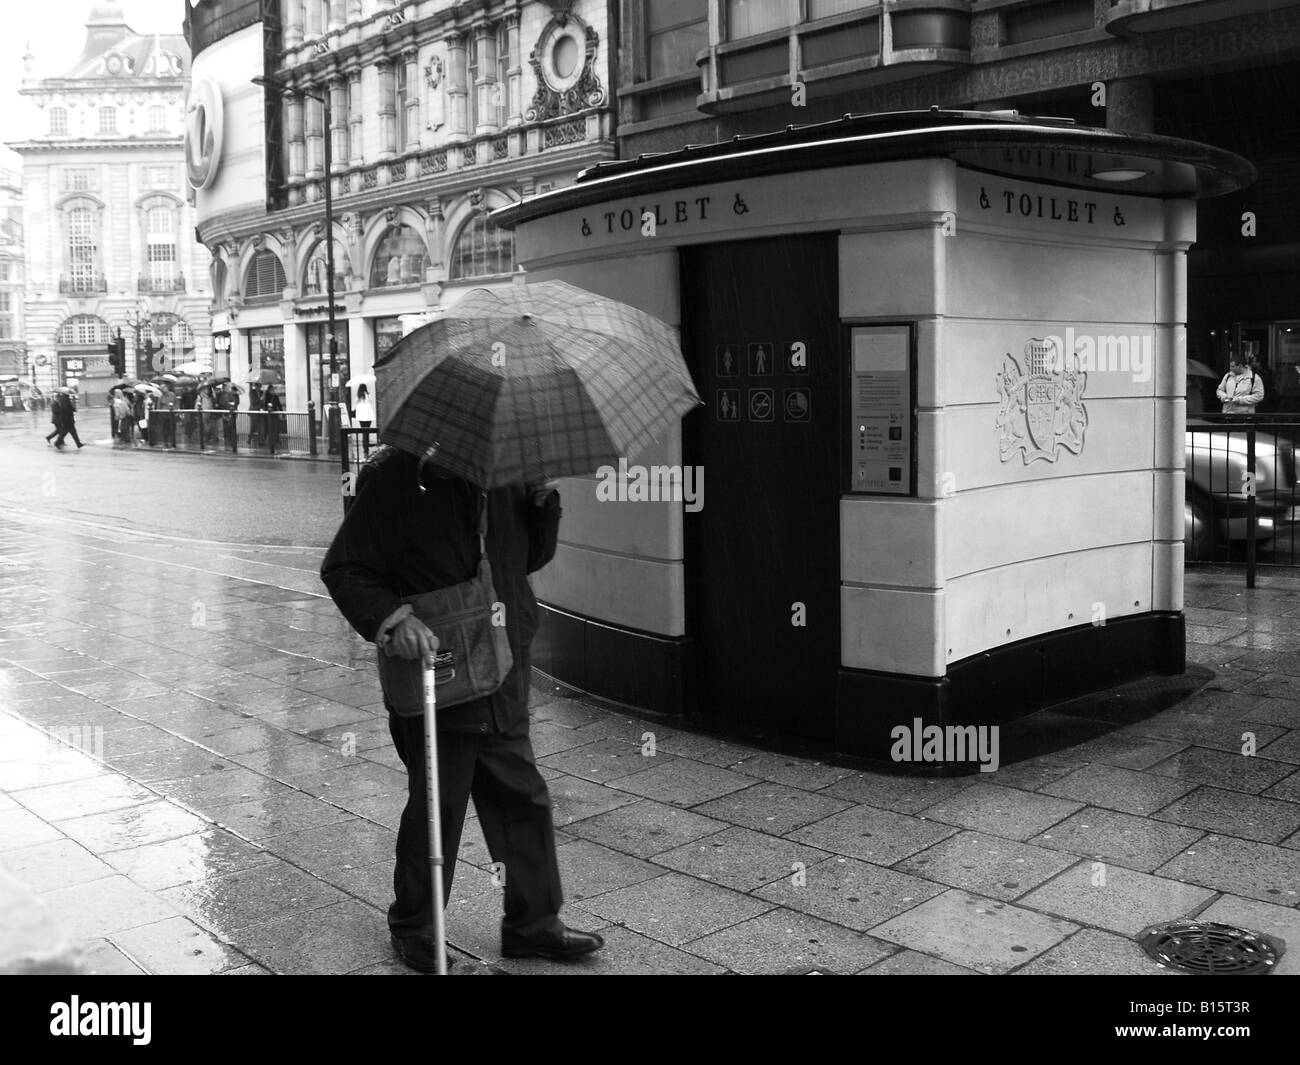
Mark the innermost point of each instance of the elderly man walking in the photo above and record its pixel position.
(412, 529)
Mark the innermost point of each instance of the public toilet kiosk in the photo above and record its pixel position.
(938, 472)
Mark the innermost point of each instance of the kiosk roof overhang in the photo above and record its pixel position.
(1046, 150)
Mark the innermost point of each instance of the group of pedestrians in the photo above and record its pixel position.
(129, 410)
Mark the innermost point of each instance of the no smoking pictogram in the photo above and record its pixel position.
(761, 404)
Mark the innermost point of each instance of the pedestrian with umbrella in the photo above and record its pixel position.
(483, 409)
(65, 419)
(122, 414)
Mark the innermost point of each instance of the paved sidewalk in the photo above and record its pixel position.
(196, 777)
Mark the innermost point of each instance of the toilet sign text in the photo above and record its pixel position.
(647, 219)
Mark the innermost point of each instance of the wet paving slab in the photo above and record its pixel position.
(196, 777)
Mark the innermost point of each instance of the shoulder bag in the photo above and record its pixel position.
(474, 654)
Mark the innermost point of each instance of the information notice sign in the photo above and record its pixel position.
(880, 409)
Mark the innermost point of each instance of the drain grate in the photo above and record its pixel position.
(1208, 947)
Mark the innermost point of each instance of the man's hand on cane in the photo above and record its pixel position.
(412, 638)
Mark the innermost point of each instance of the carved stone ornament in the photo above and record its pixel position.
(433, 72)
(555, 96)
(561, 9)
(476, 197)
(1041, 408)
(390, 214)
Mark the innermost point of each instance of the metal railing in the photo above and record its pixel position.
(157, 285)
(255, 432)
(77, 286)
(1241, 501)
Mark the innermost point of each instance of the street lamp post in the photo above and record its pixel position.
(332, 417)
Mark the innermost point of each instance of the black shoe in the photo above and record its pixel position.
(418, 952)
(561, 945)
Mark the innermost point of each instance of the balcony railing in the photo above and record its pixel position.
(156, 286)
(83, 286)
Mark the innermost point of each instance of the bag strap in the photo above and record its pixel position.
(482, 525)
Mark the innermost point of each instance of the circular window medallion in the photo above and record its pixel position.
(203, 130)
(565, 56)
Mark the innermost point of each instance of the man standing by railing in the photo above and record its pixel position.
(271, 404)
(1241, 389)
(228, 400)
(167, 412)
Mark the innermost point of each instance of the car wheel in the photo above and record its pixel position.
(1198, 536)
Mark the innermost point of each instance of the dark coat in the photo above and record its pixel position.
(62, 412)
(396, 542)
(57, 417)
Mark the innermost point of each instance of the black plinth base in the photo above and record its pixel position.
(1004, 684)
(655, 673)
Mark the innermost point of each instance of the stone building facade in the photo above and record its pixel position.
(438, 113)
(13, 345)
(110, 234)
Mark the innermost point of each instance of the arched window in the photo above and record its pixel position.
(402, 259)
(265, 277)
(83, 329)
(482, 250)
(314, 280)
(172, 336)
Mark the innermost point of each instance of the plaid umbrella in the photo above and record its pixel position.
(531, 382)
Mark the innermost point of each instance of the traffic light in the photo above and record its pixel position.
(117, 356)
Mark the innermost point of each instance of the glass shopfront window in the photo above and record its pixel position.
(266, 352)
(388, 331)
(318, 362)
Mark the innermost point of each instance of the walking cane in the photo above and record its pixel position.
(435, 819)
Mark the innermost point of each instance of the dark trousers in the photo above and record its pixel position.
(513, 807)
(69, 429)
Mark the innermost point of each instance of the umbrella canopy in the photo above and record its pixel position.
(170, 378)
(261, 377)
(531, 382)
(144, 386)
(189, 367)
(1199, 369)
(361, 379)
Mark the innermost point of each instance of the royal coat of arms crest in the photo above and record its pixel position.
(1042, 406)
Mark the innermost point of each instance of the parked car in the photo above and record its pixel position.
(1217, 490)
